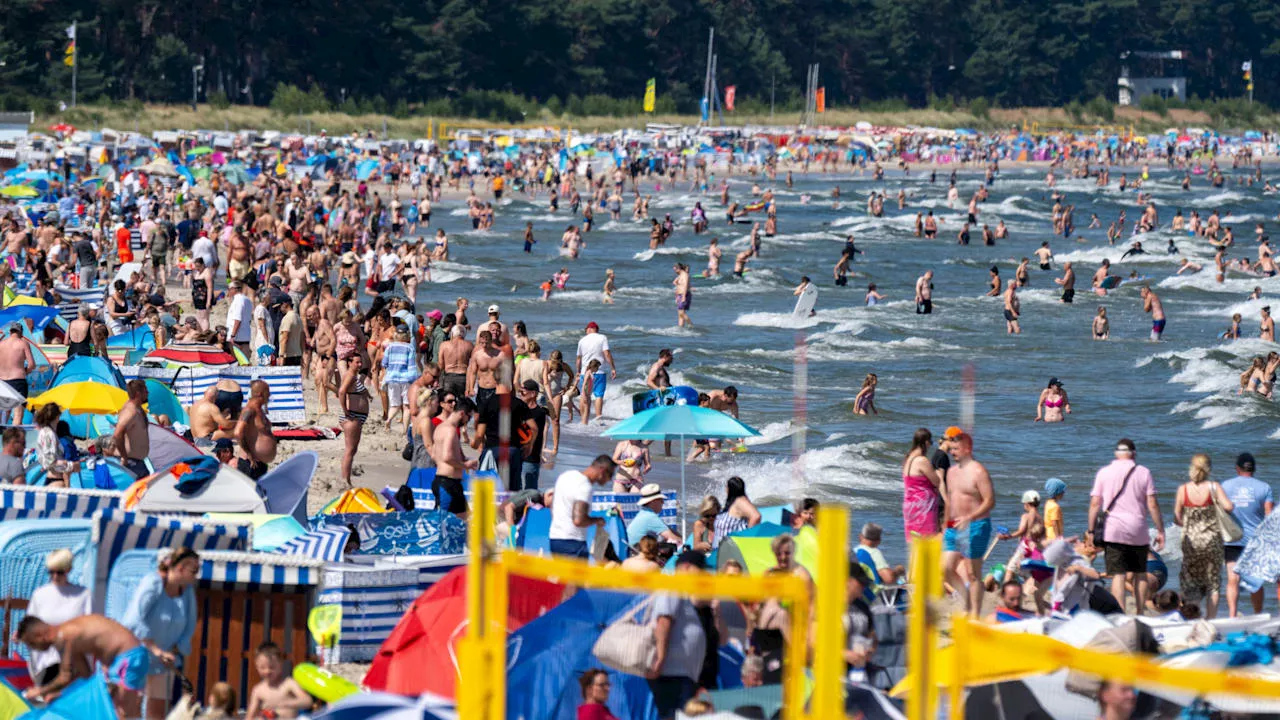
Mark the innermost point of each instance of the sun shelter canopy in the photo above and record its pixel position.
(420, 654)
(195, 485)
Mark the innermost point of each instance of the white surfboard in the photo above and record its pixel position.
(804, 304)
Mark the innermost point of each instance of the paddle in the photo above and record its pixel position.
(1002, 530)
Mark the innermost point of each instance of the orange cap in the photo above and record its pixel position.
(952, 432)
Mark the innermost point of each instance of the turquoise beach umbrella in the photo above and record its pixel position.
(677, 422)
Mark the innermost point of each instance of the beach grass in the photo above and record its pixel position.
(147, 119)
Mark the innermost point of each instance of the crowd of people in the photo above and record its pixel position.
(322, 274)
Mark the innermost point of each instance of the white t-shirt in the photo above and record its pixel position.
(368, 259)
(572, 486)
(241, 310)
(204, 248)
(55, 605)
(390, 263)
(592, 346)
(260, 313)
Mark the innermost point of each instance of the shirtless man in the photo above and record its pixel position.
(15, 362)
(207, 419)
(496, 328)
(1068, 283)
(1012, 308)
(446, 451)
(1044, 255)
(253, 433)
(1266, 263)
(684, 295)
(130, 438)
(924, 293)
(81, 640)
(740, 261)
(455, 360)
(1101, 275)
(1268, 325)
(239, 263)
(1151, 304)
(487, 361)
(970, 499)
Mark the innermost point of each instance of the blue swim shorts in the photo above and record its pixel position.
(129, 669)
(971, 541)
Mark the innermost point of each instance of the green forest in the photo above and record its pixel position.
(500, 59)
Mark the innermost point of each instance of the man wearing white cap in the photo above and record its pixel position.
(496, 329)
(648, 521)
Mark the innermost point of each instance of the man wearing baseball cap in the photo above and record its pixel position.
(594, 345)
(1126, 492)
(497, 330)
(1253, 502)
(941, 458)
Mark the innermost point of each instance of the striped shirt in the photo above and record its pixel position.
(401, 363)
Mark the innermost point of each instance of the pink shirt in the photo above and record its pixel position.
(1127, 523)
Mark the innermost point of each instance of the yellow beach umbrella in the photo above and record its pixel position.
(80, 398)
(26, 300)
(19, 191)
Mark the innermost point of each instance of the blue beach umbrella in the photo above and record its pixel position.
(677, 422)
(39, 315)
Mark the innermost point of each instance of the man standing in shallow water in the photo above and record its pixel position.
(970, 499)
(1151, 304)
(924, 293)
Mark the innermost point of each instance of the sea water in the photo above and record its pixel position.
(1173, 398)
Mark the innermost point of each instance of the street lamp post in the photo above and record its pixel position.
(195, 83)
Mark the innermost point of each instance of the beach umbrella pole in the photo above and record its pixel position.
(684, 519)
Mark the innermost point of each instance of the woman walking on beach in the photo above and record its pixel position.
(921, 498)
(57, 469)
(1202, 545)
(353, 396)
(557, 378)
(162, 614)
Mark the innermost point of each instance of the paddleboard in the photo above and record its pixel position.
(1110, 282)
(804, 304)
(677, 395)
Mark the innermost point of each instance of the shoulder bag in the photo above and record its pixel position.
(1227, 525)
(627, 645)
(1100, 522)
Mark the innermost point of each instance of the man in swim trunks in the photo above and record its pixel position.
(970, 499)
(924, 293)
(455, 358)
(1268, 325)
(1068, 283)
(446, 451)
(130, 438)
(253, 432)
(84, 639)
(1100, 276)
(1012, 308)
(1044, 255)
(15, 362)
(1151, 304)
(488, 366)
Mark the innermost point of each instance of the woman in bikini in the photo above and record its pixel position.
(632, 457)
(353, 395)
(557, 378)
(865, 402)
(1053, 405)
(921, 498)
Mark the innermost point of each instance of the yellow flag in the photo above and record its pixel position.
(650, 94)
(69, 57)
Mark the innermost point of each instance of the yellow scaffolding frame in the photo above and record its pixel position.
(482, 651)
(972, 641)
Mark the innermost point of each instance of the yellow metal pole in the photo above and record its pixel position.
(472, 658)
(496, 640)
(960, 661)
(921, 633)
(833, 571)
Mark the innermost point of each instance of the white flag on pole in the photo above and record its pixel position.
(1246, 66)
(71, 31)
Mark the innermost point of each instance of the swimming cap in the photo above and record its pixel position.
(1053, 488)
